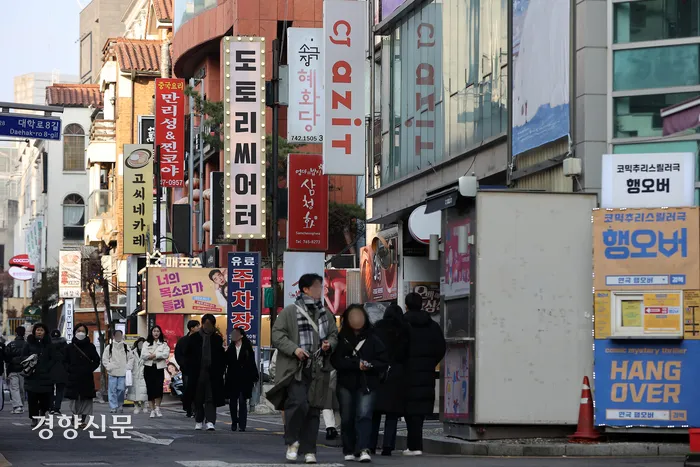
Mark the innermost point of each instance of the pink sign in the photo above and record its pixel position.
(457, 265)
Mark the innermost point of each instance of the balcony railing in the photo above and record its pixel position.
(103, 131)
(100, 202)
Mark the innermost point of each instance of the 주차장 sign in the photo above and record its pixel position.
(30, 126)
(305, 123)
(307, 224)
(345, 34)
(244, 137)
(138, 198)
(646, 383)
(648, 180)
(244, 298)
(170, 130)
(646, 248)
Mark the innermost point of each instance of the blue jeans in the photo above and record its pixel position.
(117, 389)
(356, 411)
(238, 406)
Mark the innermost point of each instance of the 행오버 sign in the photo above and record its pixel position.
(646, 248)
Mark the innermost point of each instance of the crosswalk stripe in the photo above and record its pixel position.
(224, 464)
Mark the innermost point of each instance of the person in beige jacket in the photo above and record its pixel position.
(116, 359)
(155, 355)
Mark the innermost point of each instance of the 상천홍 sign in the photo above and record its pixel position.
(305, 122)
(170, 130)
(646, 248)
(29, 126)
(345, 34)
(244, 137)
(648, 180)
(307, 224)
(647, 383)
(244, 300)
(187, 290)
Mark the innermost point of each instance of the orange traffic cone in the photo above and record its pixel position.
(585, 431)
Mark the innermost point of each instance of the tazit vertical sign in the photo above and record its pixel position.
(244, 137)
(345, 35)
(244, 302)
(305, 123)
(170, 130)
(307, 226)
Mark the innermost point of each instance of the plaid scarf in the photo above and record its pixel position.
(306, 331)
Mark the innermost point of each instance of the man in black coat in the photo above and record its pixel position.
(426, 350)
(60, 375)
(180, 351)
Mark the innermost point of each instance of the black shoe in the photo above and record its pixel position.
(373, 452)
(234, 427)
(35, 422)
(331, 434)
(189, 415)
(386, 452)
(56, 412)
(241, 428)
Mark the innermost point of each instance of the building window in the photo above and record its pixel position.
(653, 20)
(86, 57)
(73, 148)
(656, 67)
(73, 217)
(640, 116)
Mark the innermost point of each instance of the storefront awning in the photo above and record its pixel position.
(681, 117)
(443, 200)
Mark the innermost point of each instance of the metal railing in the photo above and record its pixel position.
(103, 130)
(100, 202)
(12, 324)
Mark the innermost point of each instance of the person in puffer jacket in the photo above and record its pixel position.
(116, 360)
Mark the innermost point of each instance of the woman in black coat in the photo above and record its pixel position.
(60, 375)
(39, 384)
(359, 360)
(241, 376)
(207, 394)
(395, 332)
(81, 362)
(426, 351)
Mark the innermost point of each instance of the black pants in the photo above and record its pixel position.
(187, 405)
(39, 403)
(391, 425)
(301, 421)
(58, 396)
(238, 406)
(414, 425)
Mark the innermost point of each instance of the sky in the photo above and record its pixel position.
(38, 36)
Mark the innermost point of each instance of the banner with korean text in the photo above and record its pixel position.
(170, 130)
(186, 290)
(69, 274)
(138, 198)
(244, 137)
(305, 123)
(307, 226)
(646, 248)
(244, 295)
(345, 37)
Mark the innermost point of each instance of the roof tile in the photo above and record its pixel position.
(163, 10)
(138, 55)
(74, 95)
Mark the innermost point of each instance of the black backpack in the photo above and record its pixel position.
(126, 350)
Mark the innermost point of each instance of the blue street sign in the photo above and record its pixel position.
(30, 126)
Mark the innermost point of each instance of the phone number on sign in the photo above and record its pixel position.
(172, 182)
(309, 242)
(306, 139)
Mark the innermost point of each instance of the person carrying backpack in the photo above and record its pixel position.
(116, 359)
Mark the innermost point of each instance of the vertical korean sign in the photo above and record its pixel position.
(68, 313)
(244, 300)
(307, 227)
(69, 272)
(345, 35)
(138, 197)
(170, 130)
(244, 142)
(305, 123)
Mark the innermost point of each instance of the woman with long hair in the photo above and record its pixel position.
(81, 362)
(155, 355)
(241, 376)
(138, 393)
(40, 354)
(360, 360)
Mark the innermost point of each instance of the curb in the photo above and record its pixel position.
(4, 462)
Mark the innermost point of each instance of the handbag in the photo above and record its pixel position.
(129, 379)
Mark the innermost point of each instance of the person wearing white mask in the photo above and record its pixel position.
(138, 393)
(116, 360)
(155, 355)
(81, 362)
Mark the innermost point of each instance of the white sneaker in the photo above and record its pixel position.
(365, 457)
(197, 426)
(350, 458)
(158, 412)
(210, 426)
(410, 453)
(153, 414)
(310, 459)
(137, 410)
(292, 452)
(18, 410)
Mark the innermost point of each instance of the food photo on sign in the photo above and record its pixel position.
(379, 268)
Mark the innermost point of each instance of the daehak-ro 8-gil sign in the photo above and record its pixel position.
(244, 133)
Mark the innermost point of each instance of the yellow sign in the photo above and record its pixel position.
(646, 249)
(601, 306)
(631, 313)
(662, 313)
(187, 290)
(691, 318)
(138, 198)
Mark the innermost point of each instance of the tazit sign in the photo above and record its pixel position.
(345, 35)
(425, 89)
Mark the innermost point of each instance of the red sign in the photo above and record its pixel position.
(653, 310)
(307, 226)
(21, 261)
(170, 130)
